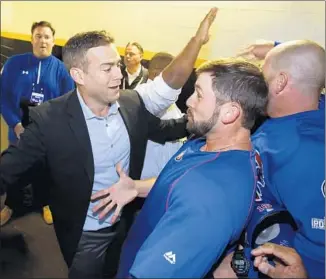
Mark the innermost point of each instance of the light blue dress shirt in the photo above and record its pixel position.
(110, 140)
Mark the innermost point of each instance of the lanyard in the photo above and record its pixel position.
(38, 78)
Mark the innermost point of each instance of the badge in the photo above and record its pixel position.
(37, 98)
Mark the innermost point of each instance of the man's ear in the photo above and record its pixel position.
(77, 75)
(230, 112)
(281, 82)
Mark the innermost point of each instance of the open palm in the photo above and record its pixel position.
(117, 195)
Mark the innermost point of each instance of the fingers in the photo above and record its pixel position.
(119, 169)
(106, 210)
(267, 269)
(116, 214)
(101, 193)
(210, 17)
(283, 253)
(245, 51)
(211, 14)
(258, 260)
(102, 203)
(108, 203)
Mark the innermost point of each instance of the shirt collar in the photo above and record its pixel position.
(44, 59)
(89, 114)
(136, 74)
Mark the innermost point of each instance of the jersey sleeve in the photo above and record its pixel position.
(9, 109)
(191, 235)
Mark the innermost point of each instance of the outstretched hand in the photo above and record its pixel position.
(119, 194)
(203, 30)
(288, 263)
(257, 51)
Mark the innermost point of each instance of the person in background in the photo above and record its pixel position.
(134, 72)
(157, 155)
(34, 77)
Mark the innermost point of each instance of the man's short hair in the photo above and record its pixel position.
(42, 24)
(158, 62)
(137, 45)
(75, 49)
(235, 80)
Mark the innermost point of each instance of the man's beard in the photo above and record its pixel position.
(201, 128)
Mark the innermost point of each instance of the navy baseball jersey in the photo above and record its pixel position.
(292, 151)
(198, 206)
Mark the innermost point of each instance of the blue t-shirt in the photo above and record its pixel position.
(292, 150)
(198, 207)
(34, 79)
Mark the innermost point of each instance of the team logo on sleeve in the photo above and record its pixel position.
(323, 188)
(170, 257)
(260, 177)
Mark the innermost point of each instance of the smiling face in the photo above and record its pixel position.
(102, 76)
(42, 41)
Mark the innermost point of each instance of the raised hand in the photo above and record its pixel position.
(257, 51)
(203, 30)
(119, 194)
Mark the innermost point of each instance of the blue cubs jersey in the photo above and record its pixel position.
(292, 152)
(198, 206)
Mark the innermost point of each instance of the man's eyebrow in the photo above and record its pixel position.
(198, 86)
(111, 63)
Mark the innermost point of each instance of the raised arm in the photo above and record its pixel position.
(165, 89)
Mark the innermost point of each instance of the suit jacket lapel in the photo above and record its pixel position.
(78, 125)
(127, 117)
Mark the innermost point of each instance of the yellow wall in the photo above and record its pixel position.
(4, 135)
(167, 25)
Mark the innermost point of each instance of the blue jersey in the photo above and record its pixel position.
(36, 80)
(292, 150)
(198, 206)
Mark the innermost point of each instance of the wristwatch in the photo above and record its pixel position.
(240, 264)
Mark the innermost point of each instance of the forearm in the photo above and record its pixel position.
(177, 73)
(144, 186)
(161, 131)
